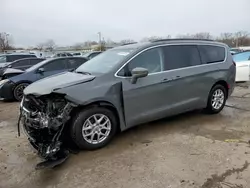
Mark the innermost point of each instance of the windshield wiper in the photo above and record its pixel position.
(83, 72)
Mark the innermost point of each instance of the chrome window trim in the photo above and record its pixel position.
(161, 45)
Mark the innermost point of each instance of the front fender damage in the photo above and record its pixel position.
(44, 120)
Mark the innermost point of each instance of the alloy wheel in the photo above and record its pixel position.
(96, 128)
(218, 98)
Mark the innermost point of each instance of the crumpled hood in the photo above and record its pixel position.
(11, 70)
(55, 82)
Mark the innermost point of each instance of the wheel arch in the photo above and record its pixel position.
(17, 84)
(100, 103)
(223, 83)
(24, 82)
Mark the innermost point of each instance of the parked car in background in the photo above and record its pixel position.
(77, 54)
(124, 87)
(91, 55)
(12, 88)
(6, 59)
(242, 61)
(64, 54)
(235, 50)
(21, 64)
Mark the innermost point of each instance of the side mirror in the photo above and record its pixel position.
(40, 70)
(138, 72)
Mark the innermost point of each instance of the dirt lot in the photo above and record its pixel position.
(190, 150)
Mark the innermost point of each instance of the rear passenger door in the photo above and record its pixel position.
(182, 66)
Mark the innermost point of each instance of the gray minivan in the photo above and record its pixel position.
(124, 87)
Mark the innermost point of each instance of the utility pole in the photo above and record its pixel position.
(100, 39)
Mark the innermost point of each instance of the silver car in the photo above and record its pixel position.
(124, 87)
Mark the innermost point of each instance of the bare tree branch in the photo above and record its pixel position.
(50, 45)
(4, 42)
(40, 46)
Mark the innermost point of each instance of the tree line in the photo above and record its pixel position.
(241, 38)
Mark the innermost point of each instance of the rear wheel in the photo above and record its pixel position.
(217, 99)
(93, 128)
(18, 91)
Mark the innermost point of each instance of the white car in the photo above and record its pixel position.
(242, 61)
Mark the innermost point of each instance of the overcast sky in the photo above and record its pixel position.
(30, 22)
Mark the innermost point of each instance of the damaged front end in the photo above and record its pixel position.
(44, 120)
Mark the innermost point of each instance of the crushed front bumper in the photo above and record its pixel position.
(48, 142)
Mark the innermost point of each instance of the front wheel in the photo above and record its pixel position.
(216, 99)
(18, 91)
(93, 128)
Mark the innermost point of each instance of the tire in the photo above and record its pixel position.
(18, 91)
(81, 121)
(213, 109)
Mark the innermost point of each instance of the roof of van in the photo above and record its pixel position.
(168, 41)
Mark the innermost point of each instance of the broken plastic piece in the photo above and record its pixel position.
(53, 163)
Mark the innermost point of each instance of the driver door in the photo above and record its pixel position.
(143, 100)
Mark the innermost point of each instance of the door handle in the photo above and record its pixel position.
(170, 79)
(166, 80)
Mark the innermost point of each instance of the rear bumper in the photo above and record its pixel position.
(6, 90)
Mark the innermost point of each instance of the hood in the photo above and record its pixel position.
(59, 81)
(10, 71)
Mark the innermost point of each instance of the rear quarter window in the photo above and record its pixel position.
(212, 54)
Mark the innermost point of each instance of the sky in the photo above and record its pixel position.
(30, 22)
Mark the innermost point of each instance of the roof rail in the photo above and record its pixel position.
(175, 39)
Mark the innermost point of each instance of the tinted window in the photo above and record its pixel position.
(180, 56)
(76, 53)
(244, 56)
(16, 57)
(58, 64)
(212, 54)
(75, 63)
(13, 58)
(150, 59)
(68, 54)
(20, 63)
(35, 61)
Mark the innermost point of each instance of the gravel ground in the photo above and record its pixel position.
(189, 150)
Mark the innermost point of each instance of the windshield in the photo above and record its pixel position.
(2, 59)
(104, 62)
